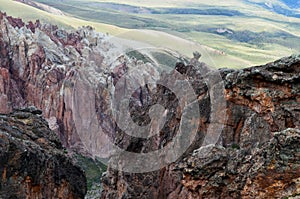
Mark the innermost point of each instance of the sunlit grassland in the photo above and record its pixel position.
(158, 39)
(255, 19)
(213, 57)
(193, 32)
(252, 53)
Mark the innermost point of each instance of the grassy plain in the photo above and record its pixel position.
(259, 35)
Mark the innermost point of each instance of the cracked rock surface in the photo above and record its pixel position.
(34, 163)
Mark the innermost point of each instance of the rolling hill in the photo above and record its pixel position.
(234, 33)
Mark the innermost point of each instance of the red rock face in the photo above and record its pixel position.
(252, 160)
(57, 70)
(32, 26)
(34, 69)
(15, 22)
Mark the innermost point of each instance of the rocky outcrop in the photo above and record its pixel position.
(39, 65)
(78, 78)
(57, 71)
(272, 171)
(257, 155)
(34, 163)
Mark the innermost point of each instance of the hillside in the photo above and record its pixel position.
(239, 33)
(254, 34)
(145, 38)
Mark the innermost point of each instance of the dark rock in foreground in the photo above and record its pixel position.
(33, 162)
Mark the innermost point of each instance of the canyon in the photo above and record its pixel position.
(77, 79)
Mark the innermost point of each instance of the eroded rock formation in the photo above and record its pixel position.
(34, 163)
(39, 66)
(73, 76)
(258, 152)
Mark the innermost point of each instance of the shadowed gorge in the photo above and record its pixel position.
(81, 80)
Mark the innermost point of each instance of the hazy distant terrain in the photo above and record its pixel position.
(234, 33)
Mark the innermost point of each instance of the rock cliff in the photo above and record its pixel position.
(33, 161)
(39, 65)
(257, 155)
(78, 78)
